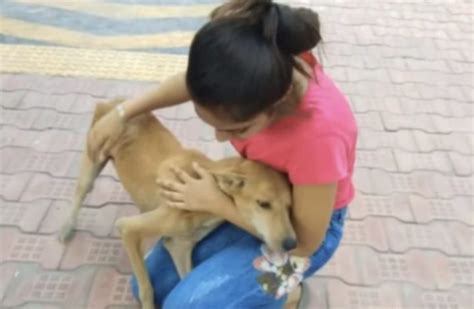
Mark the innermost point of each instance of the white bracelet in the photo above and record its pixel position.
(120, 111)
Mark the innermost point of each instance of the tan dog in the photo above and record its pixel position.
(144, 153)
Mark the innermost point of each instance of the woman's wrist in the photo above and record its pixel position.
(121, 111)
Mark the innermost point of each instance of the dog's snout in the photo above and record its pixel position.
(289, 244)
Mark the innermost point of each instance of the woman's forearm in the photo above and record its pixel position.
(171, 92)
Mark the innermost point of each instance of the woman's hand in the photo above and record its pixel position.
(195, 194)
(104, 134)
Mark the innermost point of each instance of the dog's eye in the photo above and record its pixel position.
(264, 205)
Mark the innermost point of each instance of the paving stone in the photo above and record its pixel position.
(85, 249)
(457, 208)
(379, 182)
(111, 88)
(12, 186)
(364, 104)
(369, 232)
(370, 120)
(28, 160)
(17, 118)
(410, 161)
(395, 205)
(395, 122)
(448, 187)
(342, 295)
(7, 273)
(426, 184)
(317, 293)
(462, 237)
(414, 91)
(432, 236)
(46, 187)
(185, 111)
(12, 136)
(415, 267)
(378, 89)
(59, 141)
(463, 165)
(64, 85)
(98, 221)
(105, 190)
(382, 158)
(42, 141)
(111, 288)
(378, 75)
(51, 119)
(34, 305)
(13, 82)
(452, 125)
(26, 216)
(42, 249)
(83, 104)
(33, 284)
(339, 74)
(415, 297)
(426, 65)
(108, 171)
(34, 99)
(442, 107)
(454, 271)
(191, 129)
(126, 89)
(342, 265)
(374, 140)
(9, 155)
(459, 67)
(429, 77)
(11, 99)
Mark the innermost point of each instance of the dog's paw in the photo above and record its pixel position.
(66, 232)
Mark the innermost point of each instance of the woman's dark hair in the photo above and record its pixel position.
(242, 61)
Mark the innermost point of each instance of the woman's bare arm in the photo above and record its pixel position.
(171, 92)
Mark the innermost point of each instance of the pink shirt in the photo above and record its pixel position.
(316, 145)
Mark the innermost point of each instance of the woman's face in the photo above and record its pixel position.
(226, 129)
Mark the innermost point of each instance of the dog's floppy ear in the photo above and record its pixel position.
(229, 183)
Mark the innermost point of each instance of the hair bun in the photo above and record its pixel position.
(298, 29)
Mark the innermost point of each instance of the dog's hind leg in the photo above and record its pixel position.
(88, 173)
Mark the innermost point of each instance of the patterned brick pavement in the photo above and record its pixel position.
(407, 66)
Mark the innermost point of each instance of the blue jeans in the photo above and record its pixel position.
(223, 275)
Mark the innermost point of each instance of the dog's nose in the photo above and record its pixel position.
(289, 244)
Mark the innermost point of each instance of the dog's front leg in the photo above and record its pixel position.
(133, 230)
(180, 250)
(132, 241)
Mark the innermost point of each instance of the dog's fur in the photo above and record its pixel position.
(144, 153)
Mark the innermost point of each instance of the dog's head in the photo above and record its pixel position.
(262, 197)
